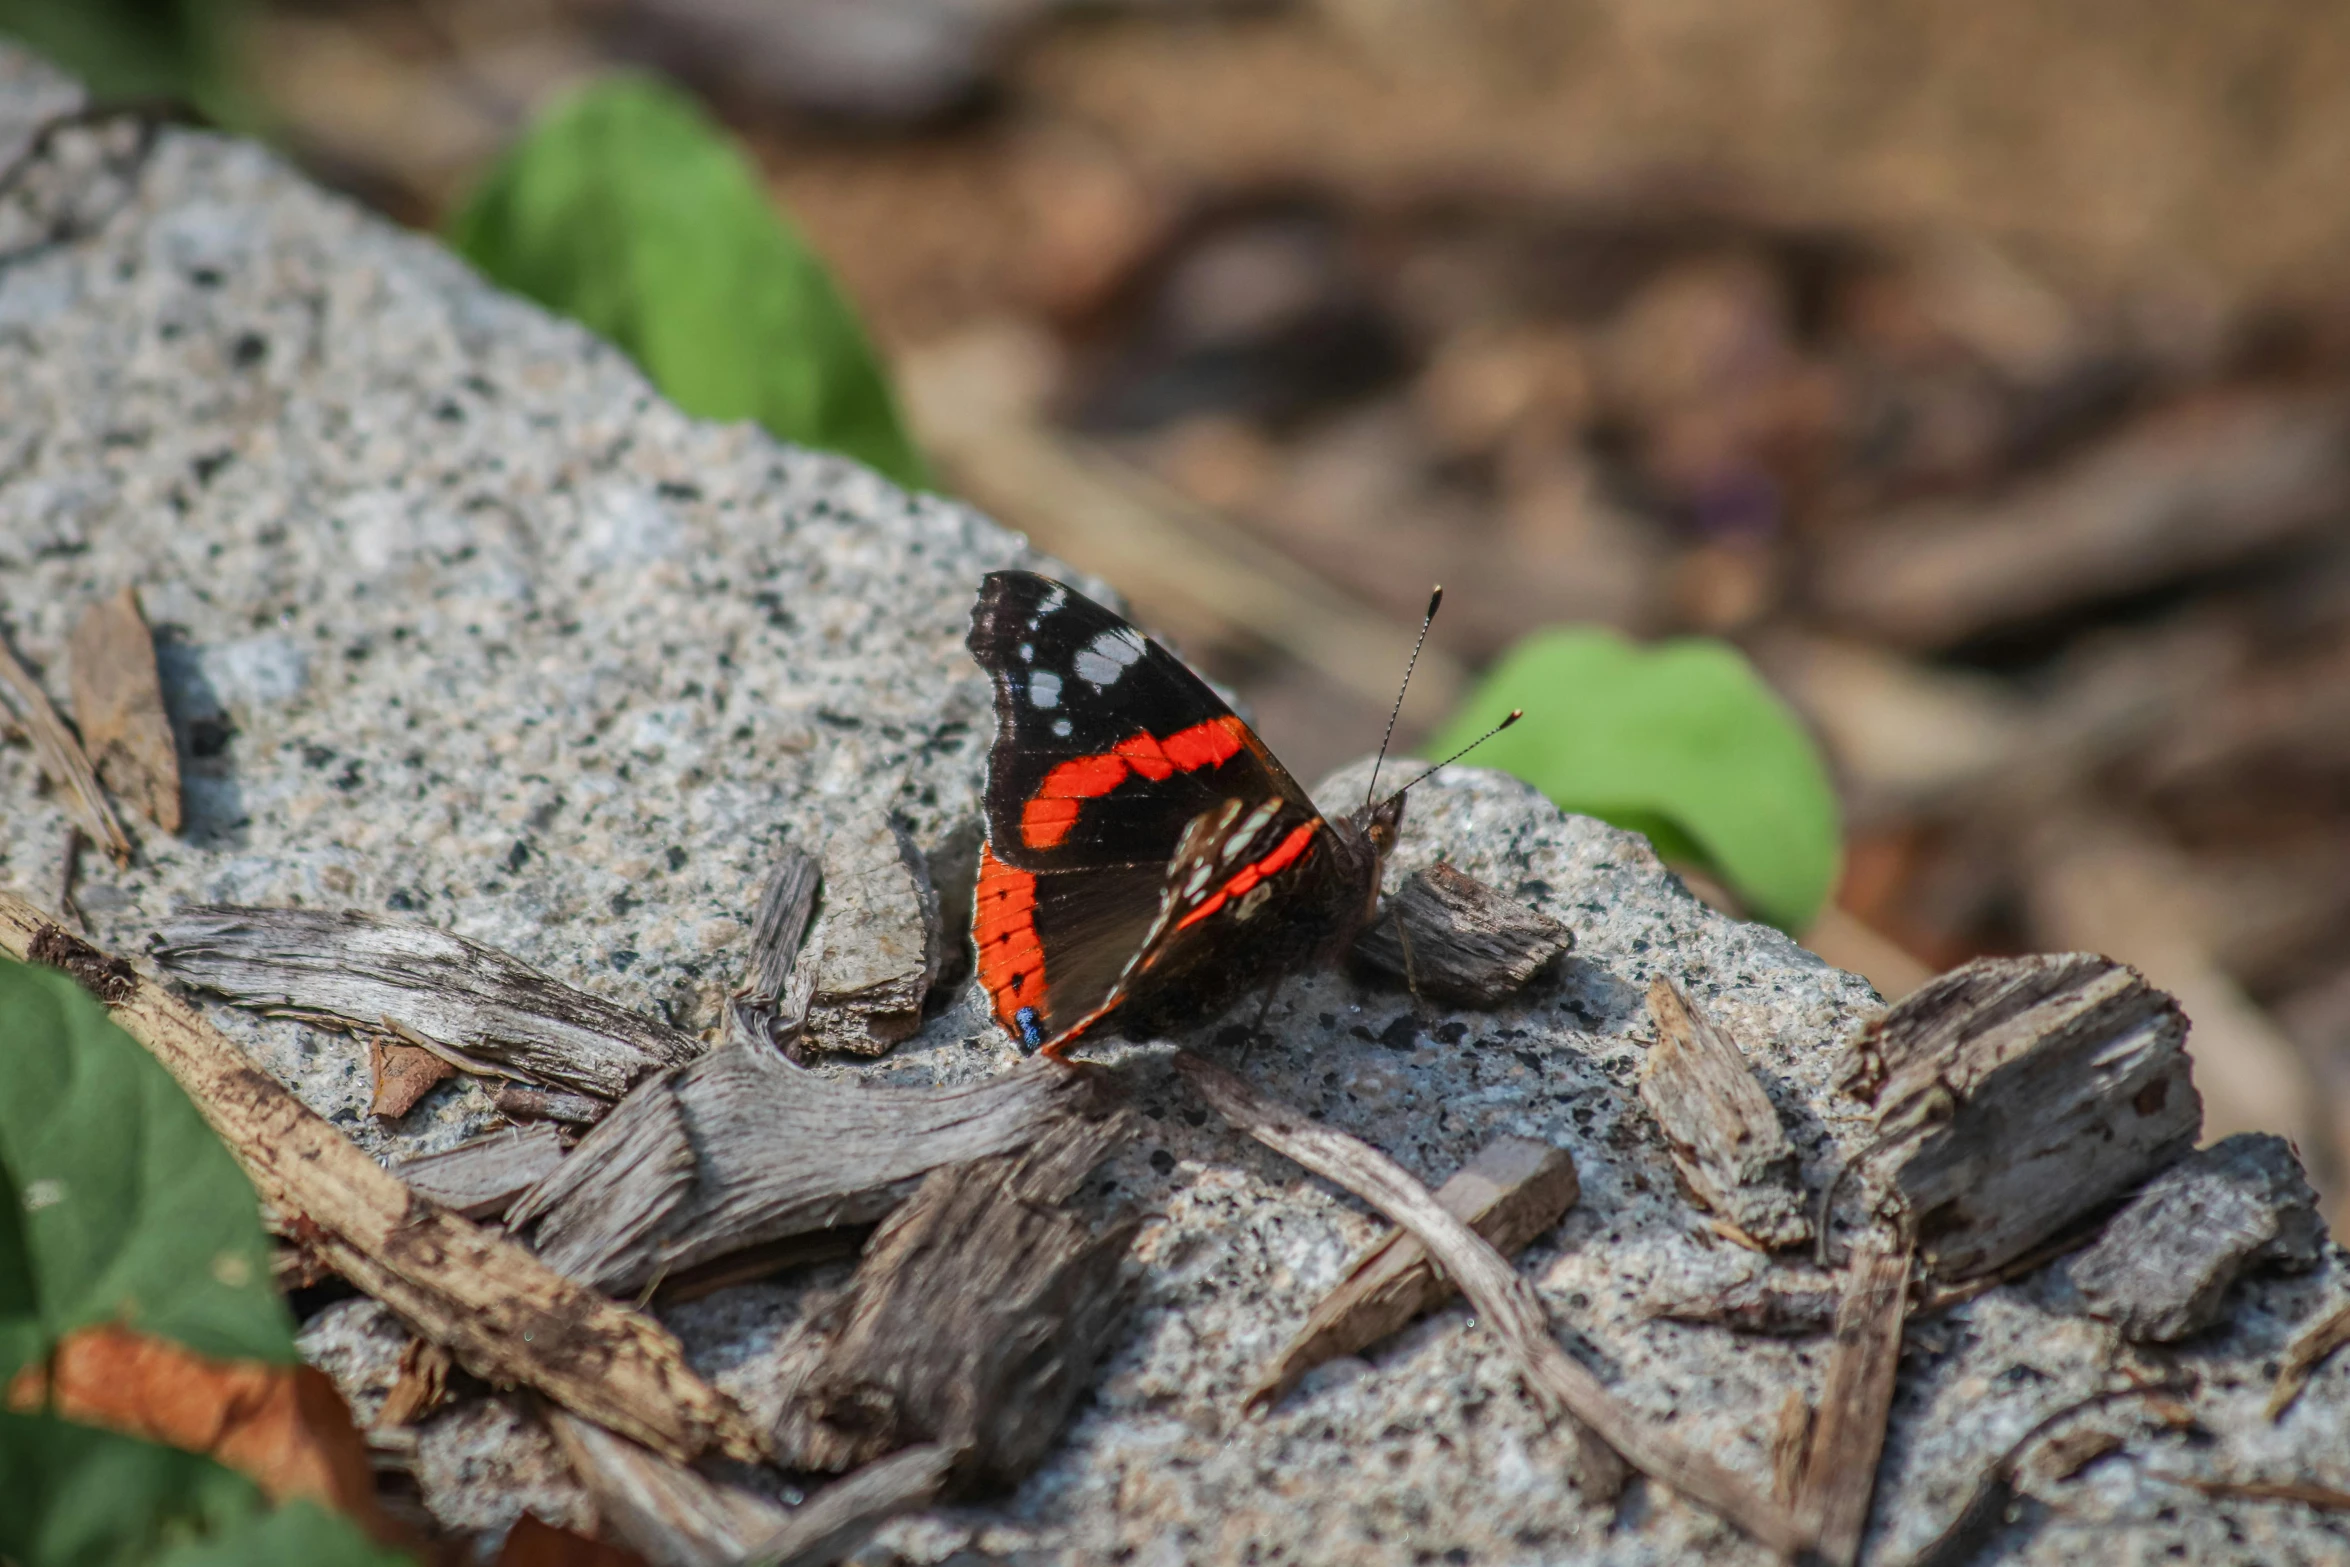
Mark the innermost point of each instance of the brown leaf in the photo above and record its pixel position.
(422, 1385)
(285, 1428)
(403, 1075)
(118, 704)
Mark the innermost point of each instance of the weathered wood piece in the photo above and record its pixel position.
(1509, 1308)
(671, 1515)
(484, 1009)
(834, 1523)
(118, 706)
(1840, 1471)
(2162, 1267)
(2304, 1355)
(975, 1319)
(2015, 1096)
(1469, 945)
(1724, 1133)
(506, 1316)
(876, 945)
(403, 1074)
(481, 1179)
(742, 1147)
(770, 1007)
(1511, 1192)
(1780, 1303)
(62, 757)
(518, 1102)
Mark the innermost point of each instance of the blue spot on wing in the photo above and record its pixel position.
(1031, 1027)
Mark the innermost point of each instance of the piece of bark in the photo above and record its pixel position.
(774, 1151)
(504, 1315)
(118, 706)
(1777, 1303)
(1469, 944)
(1725, 1135)
(974, 1321)
(837, 1521)
(2182, 492)
(1791, 1438)
(1840, 1475)
(667, 1513)
(480, 1179)
(876, 945)
(517, 1102)
(62, 757)
(2016, 1096)
(769, 1007)
(403, 1074)
(1514, 1190)
(1508, 1307)
(2162, 1267)
(954, 876)
(2304, 1355)
(420, 1387)
(480, 1004)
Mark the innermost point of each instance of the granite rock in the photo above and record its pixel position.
(463, 624)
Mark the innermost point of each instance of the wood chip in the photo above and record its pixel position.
(877, 942)
(974, 1321)
(62, 757)
(1508, 1307)
(475, 1001)
(768, 1008)
(2016, 1096)
(422, 1383)
(502, 1313)
(118, 706)
(2304, 1355)
(1469, 945)
(1791, 1437)
(2161, 1269)
(1781, 1303)
(403, 1075)
(1514, 1190)
(1841, 1474)
(837, 1521)
(742, 1148)
(481, 1179)
(1725, 1135)
(669, 1514)
(518, 1103)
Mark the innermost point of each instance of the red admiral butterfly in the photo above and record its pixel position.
(1148, 861)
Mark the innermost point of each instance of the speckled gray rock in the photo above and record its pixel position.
(466, 625)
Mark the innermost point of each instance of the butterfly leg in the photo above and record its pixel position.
(1411, 972)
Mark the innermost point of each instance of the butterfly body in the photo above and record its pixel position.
(1148, 860)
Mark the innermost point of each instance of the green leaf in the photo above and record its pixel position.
(127, 1208)
(625, 208)
(299, 1534)
(181, 50)
(1681, 740)
(75, 1496)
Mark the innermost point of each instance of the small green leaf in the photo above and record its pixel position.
(625, 208)
(182, 50)
(299, 1534)
(127, 1208)
(75, 1496)
(1682, 741)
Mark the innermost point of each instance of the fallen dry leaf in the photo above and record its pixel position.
(285, 1428)
(403, 1075)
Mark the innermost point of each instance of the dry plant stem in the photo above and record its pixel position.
(1508, 1306)
(1723, 1131)
(503, 1314)
(62, 758)
(2304, 1356)
(1840, 1474)
(2302, 1491)
(1511, 1192)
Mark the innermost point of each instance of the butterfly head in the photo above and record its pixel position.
(1381, 824)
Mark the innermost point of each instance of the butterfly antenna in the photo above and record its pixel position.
(1435, 598)
(1516, 713)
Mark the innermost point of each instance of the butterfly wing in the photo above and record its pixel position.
(1107, 750)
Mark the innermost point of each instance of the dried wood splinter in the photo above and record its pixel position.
(1724, 1133)
(481, 1179)
(1514, 1190)
(118, 705)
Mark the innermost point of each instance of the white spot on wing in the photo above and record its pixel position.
(1061, 727)
(1027, 652)
(1100, 662)
(1044, 689)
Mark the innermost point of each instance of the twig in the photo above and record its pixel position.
(1506, 1304)
(1840, 1473)
(2303, 1357)
(2306, 1492)
(62, 758)
(505, 1315)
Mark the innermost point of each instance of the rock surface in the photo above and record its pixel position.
(464, 625)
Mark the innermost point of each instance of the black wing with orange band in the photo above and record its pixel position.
(1107, 748)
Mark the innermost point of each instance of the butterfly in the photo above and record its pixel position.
(1148, 861)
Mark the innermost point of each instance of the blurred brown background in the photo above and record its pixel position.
(1983, 371)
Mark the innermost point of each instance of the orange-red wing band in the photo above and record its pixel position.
(1011, 959)
(1284, 853)
(1050, 814)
